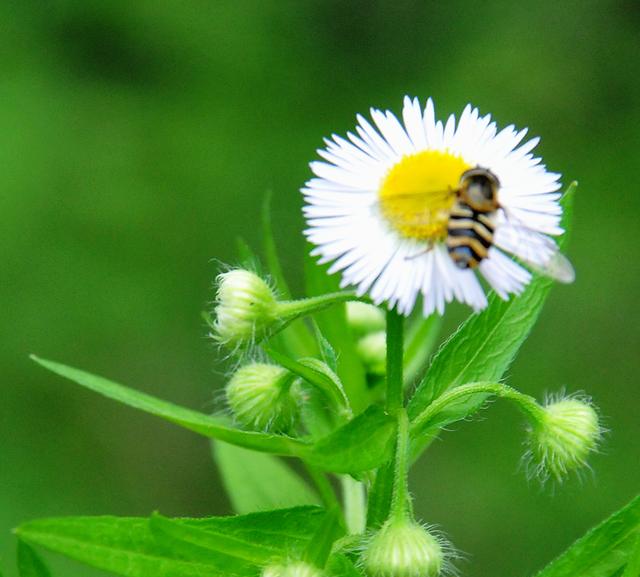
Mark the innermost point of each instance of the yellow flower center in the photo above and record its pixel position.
(417, 194)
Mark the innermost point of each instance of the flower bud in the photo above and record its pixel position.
(297, 569)
(364, 318)
(246, 308)
(261, 397)
(372, 350)
(403, 549)
(562, 437)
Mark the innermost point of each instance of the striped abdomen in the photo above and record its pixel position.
(470, 235)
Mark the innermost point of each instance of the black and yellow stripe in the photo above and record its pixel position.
(470, 236)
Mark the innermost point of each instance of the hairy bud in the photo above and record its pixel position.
(562, 437)
(246, 308)
(261, 397)
(403, 549)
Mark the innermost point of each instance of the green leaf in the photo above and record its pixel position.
(327, 352)
(361, 445)
(206, 425)
(486, 343)
(379, 504)
(328, 531)
(248, 259)
(198, 544)
(603, 550)
(260, 482)
(633, 565)
(29, 563)
(123, 546)
(129, 547)
(339, 565)
(270, 250)
(333, 324)
(316, 373)
(296, 338)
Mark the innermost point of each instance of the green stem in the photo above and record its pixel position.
(325, 490)
(526, 403)
(395, 396)
(355, 505)
(296, 308)
(401, 501)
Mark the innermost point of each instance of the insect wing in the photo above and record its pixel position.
(558, 268)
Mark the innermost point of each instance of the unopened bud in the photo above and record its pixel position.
(261, 397)
(562, 437)
(298, 569)
(372, 350)
(246, 308)
(403, 549)
(364, 318)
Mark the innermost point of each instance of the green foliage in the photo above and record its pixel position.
(604, 550)
(135, 547)
(320, 545)
(29, 563)
(632, 568)
(259, 482)
(361, 445)
(316, 373)
(347, 433)
(340, 565)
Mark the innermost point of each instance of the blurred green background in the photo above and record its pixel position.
(137, 140)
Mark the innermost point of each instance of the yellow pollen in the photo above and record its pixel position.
(418, 192)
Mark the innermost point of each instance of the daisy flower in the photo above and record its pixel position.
(381, 205)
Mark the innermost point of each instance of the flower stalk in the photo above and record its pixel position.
(395, 351)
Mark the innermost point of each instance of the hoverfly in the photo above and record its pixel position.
(472, 223)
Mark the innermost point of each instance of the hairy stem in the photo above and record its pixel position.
(395, 326)
(401, 501)
(526, 403)
(296, 308)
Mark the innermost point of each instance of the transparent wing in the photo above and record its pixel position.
(558, 268)
(539, 252)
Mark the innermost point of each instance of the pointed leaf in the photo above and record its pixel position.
(128, 547)
(316, 373)
(633, 564)
(380, 496)
(486, 343)
(29, 563)
(603, 550)
(198, 544)
(270, 250)
(260, 482)
(296, 339)
(328, 353)
(340, 565)
(122, 546)
(199, 422)
(360, 445)
(319, 548)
